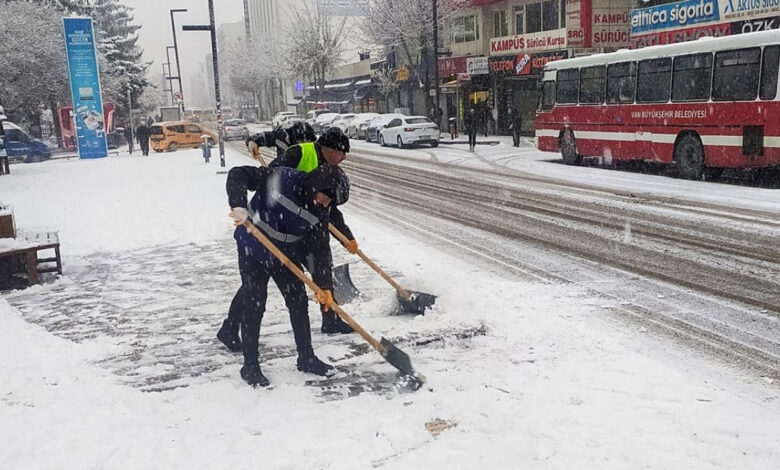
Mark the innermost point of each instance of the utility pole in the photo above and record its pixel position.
(436, 60)
(176, 53)
(130, 120)
(210, 27)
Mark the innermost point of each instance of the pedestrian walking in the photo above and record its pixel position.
(516, 126)
(142, 133)
(471, 122)
(291, 208)
(129, 137)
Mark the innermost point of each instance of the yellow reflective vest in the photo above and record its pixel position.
(309, 160)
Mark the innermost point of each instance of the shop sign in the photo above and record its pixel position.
(577, 31)
(610, 24)
(523, 64)
(680, 35)
(760, 24)
(749, 9)
(529, 43)
(675, 15)
(477, 65)
(452, 65)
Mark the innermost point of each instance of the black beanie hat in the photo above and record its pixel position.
(335, 139)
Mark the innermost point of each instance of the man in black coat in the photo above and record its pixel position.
(129, 137)
(142, 134)
(471, 123)
(516, 126)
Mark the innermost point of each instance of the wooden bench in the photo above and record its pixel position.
(32, 263)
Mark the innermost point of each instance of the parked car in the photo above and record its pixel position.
(322, 120)
(312, 115)
(357, 127)
(278, 116)
(20, 146)
(409, 130)
(341, 121)
(235, 129)
(287, 121)
(376, 125)
(170, 136)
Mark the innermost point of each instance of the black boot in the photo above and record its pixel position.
(228, 334)
(308, 362)
(254, 376)
(332, 323)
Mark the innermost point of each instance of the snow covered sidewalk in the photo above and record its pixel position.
(115, 364)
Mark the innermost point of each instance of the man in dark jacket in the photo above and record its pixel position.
(291, 209)
(142, 134)
(471, 123)
(516, 126)
(129, 137)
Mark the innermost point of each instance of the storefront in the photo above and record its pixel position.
(514, 79)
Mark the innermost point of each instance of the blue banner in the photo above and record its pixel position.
(85, 87)
(674, 15)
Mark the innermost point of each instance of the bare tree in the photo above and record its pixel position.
(316, 44)
(405, 26)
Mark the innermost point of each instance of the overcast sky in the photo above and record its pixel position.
(155, 20)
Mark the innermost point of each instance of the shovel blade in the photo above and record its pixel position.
(416, 303)
(344, 291)
(400, 360)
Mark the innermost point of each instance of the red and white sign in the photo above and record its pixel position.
(609, 25)
(680, 35)
(524, 43)
(452, 65)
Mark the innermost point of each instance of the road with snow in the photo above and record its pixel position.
(703, 270)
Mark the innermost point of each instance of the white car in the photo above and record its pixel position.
(375, 125)
(287, 121)
(357, 127)
(312, 115)
(409, 130)
(342, 121)
(278, 116)
(322, 120)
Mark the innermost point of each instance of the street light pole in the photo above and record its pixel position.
(176, 53)
(210, 27)
(436, 60)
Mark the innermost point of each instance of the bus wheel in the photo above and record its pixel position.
(172, 147)
(569, 149)
(689, 156)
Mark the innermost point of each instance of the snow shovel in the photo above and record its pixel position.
(410, 301)
(397, 358)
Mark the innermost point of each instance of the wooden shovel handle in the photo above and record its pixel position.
(401, 291)
(300, 275)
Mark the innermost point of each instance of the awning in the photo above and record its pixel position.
(333, 86)
(362, 92)
(294, 102)
(363, 82)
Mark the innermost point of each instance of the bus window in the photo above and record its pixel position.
(592, 85)
(691, 78)
(654, 80)
(621, 82)
(548, 94)
(736, 75)
(769, 73)
(567, 86)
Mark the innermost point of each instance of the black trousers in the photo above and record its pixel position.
(145, 147)
(472, 137)
(248, 305)
(516, 137)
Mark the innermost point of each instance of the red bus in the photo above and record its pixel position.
(709, 103)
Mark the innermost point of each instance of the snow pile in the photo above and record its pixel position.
(547, 380)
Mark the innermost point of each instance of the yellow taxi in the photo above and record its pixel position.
(173, 135)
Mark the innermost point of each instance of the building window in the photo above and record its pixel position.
(533, 18)
(519, 23)
(464, 29)
(550, 15)
(500, 27)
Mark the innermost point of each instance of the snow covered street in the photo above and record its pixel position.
(115, 364)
